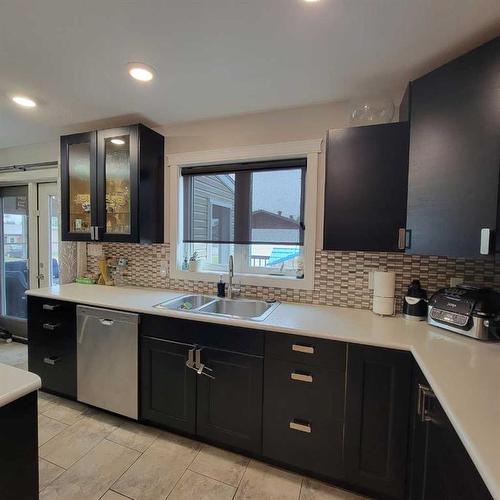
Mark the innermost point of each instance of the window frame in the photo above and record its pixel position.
(310, 150)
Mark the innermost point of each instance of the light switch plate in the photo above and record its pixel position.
(94, 250)
(456, 281)
(163, 268)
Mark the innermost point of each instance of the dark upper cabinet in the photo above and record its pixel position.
(376, 421)
(366, 188)
(440, 467)
(229, 405)
(168, 386)
(455, 154)
(112, 185)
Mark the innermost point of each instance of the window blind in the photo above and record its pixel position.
(245, 203)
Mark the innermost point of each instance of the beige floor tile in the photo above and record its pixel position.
(47, 472)
(220, 464)
(263, 482)
(195, 486)
(315, 490)
(136, 436)
(66, 411)
(92, 476)
(112, 495)
(77, 440)
(155, 474)
(48, 428)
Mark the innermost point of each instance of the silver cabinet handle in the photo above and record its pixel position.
(201, 367)
(92, 232)
(50, 326)
(51, 360)
(106, 322)
(401, 238)
(300, 426)
(190, 360)
(306, 349)
(424, 392)
(301, 377)
(484, 247)
(50, 307)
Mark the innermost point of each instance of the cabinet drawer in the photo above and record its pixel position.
(56, 366)
(41, 309)
(307, 350)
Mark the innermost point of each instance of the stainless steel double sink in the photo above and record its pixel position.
(255, 310)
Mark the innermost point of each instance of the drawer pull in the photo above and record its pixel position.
(301, 377)
(50, 326)
(306, 349)
(51, 360)
(300, 426)
(51, 307)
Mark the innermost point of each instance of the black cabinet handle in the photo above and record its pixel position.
(51, 307)
(51, 360)
(50, 326)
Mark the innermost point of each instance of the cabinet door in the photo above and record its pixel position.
(440, 466)
(366, 188)
(168, 386)
(377, 419)
(118, 184)
(455, 154)
(78, 186)
(229, 408)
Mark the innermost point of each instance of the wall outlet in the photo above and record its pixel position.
(163, 268)
(456, 281)
(94, 250)
(371, 274)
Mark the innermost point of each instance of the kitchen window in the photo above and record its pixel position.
(255, 211)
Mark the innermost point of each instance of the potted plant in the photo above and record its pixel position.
(195, 263)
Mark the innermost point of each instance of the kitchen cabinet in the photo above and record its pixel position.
(440, 467)
(112, 185)
(229, 399)
(168, 386)
(366, 188)
(454, 159)
(376, 419)
(52, 344)
(304, 401)
(221, 403)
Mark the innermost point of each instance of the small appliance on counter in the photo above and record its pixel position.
(467, 309)
(384, 286)
(415, 302)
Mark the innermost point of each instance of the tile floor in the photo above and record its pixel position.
(86, 454)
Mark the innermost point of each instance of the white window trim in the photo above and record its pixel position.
(307, 149)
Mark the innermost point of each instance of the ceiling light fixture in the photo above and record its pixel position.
(23, 101)
(118, 142)
(141, 72)
(311, 1)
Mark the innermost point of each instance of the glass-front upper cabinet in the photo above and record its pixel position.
(78, 186)
(112, 185)
(117, 166)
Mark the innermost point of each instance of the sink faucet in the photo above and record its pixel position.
(232, 291)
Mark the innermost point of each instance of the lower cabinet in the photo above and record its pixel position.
(377, 416)
(440, 467)
(168, 386)
(229, 398)
(304, 394)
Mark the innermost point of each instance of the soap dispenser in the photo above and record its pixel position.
(221, 288)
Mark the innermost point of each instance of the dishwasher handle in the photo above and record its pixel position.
(106, 322)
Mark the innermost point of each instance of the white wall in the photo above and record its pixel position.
(33, 153)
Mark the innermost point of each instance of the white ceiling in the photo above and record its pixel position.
(216, 57)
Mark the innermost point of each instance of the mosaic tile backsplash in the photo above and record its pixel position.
(341, 278)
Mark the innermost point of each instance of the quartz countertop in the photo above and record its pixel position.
(464, 373)
(16, 383)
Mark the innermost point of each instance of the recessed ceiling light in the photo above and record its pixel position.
(118, 142)
(141, 72)
(26, 102)
(311, 1)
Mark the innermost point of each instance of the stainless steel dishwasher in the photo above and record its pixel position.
(107, 359)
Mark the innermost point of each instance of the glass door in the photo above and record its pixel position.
(14, 278)
(117, 165)
(79, 186)
(48, 234)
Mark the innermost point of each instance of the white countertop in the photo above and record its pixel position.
(464, 373)
(16, 383)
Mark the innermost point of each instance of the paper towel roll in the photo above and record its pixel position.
(383, 305)
(384, 284)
